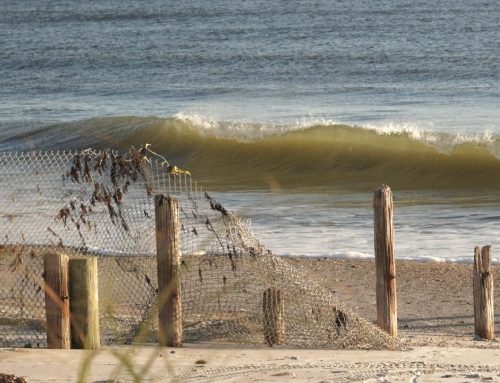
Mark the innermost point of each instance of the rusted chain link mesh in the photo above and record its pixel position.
(102, 204)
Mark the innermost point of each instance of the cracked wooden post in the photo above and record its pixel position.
(387, 317)
(57, 300)
(273, 311)
(482, 283)
(169, 282)
(84, 303)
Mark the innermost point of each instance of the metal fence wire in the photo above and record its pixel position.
(101, 203)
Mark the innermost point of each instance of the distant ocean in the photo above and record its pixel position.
(291, 112)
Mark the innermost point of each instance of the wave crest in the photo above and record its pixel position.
(319, 154)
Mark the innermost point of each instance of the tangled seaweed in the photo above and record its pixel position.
(109, 176)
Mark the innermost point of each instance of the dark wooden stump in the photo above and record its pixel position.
(273, 311)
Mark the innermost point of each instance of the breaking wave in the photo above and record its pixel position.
(317, 154)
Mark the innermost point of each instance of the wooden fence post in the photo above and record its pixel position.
(482, 283)
(57, 300)
(387, 317)
(273, 310)
(84, 303)
(169, 283)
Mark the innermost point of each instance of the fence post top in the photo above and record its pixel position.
(482, 259)
(159, 198)
(383, 187)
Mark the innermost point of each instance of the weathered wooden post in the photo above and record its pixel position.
(273, 310)
(482, 283)
(168, 258)
(387, 317)
(57, 300)
(84, 303)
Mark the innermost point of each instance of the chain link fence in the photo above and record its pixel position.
(101, 204)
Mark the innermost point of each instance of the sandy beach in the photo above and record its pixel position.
(435, 302)
(228, 364)
(435, 321)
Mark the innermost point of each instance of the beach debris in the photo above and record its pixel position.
(10, 378)
(109, 175)
(214, 205)
(175, 171)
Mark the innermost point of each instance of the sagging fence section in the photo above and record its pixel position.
(108, 208)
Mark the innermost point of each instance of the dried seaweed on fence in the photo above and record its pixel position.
(216, 205)
(121, 169)
(108, 176)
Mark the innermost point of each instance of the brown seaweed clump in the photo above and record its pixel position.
(9, 378)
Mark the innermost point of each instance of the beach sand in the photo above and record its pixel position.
(435, 320)
(435, 302)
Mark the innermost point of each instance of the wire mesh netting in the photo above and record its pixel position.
(101, 204)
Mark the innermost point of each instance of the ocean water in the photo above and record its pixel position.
(291, 112)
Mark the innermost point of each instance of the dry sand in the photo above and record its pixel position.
(435, 319)
(435, 302)
(229, 364)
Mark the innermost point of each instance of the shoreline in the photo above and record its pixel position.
(469, 260)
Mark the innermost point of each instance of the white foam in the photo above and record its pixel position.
(354, 255)
(241, 131)
(245, 131)
(444, 142)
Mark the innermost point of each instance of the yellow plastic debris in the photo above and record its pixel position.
(174, 170)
